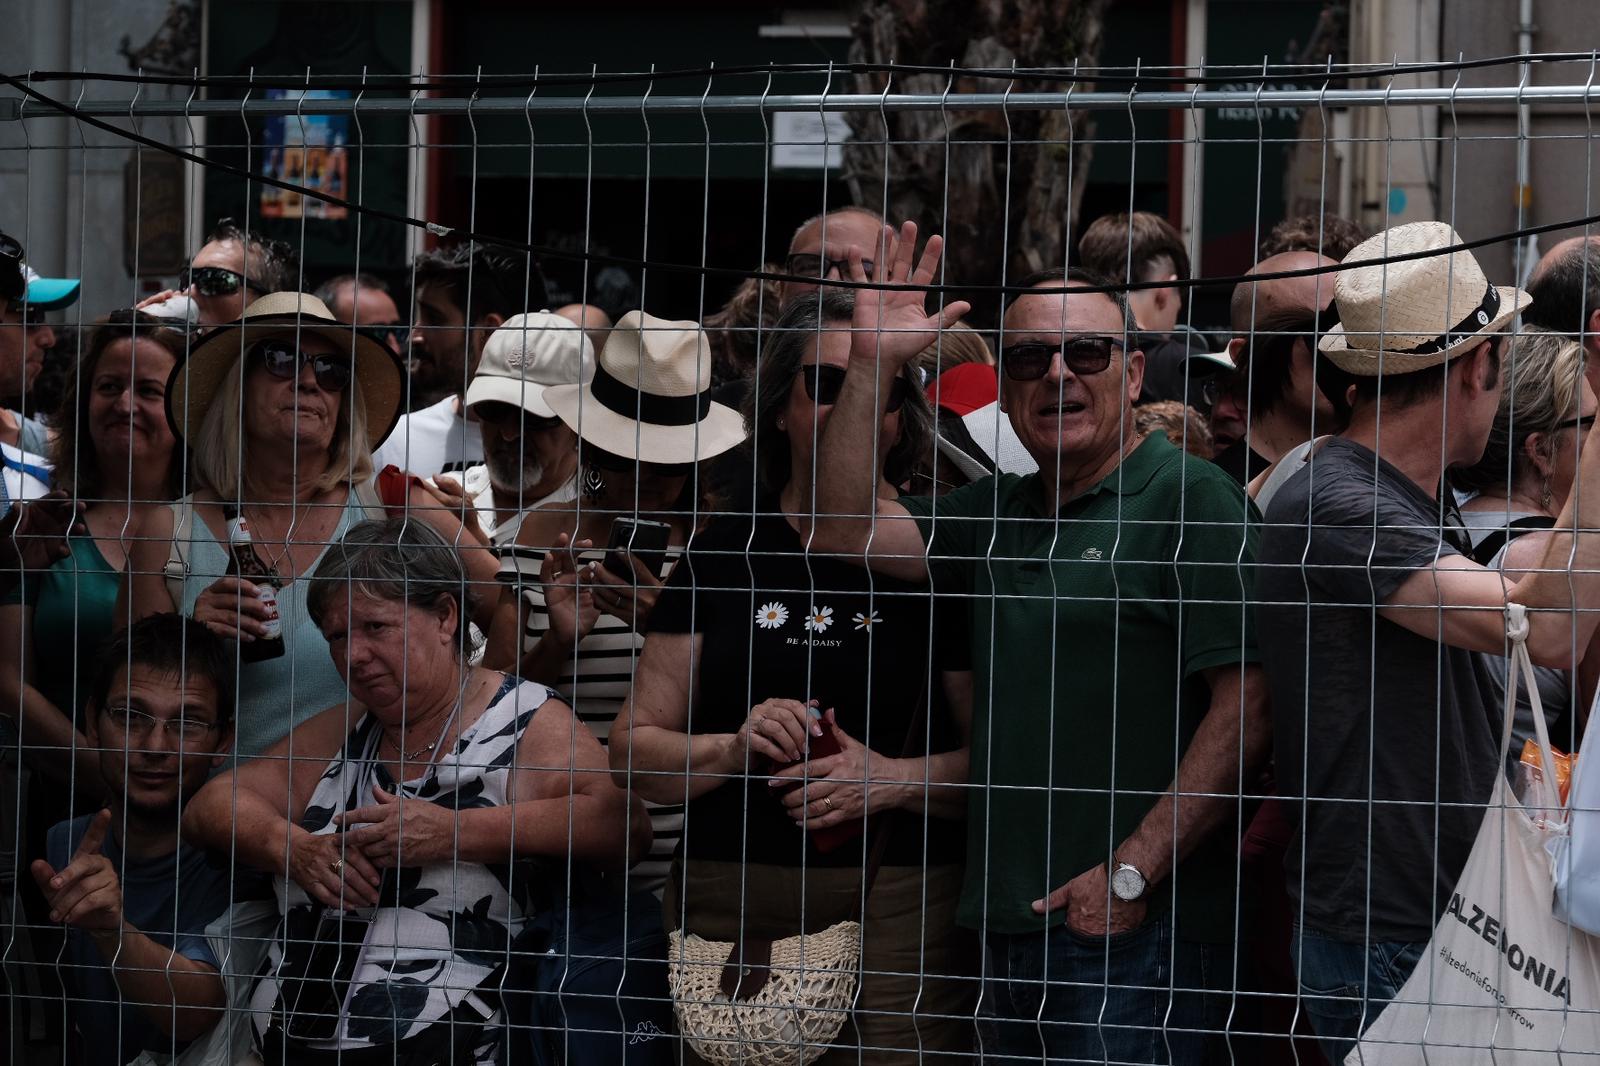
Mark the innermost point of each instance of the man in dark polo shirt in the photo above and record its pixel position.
(1387, 739)
(1118, 707)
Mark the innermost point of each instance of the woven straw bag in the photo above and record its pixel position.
(771, 1002)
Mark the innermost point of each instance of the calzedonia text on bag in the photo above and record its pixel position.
(1543, 973)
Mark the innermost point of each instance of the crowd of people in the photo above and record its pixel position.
(423, 677)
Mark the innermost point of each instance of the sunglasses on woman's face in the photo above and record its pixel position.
(1030, 360)
(619, 464)
(283, 360)
(214, 281)
(823, 383)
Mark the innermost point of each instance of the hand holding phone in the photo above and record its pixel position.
(644, 540)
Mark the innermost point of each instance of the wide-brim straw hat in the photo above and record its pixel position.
(650, 399)
(1395, 318)
(193, 386)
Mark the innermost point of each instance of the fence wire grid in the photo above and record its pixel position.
(508, 585)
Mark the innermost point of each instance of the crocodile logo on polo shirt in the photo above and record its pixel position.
(1092, 553)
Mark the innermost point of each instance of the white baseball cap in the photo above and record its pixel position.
(527, 355)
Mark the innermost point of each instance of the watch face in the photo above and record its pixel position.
(1127, 884)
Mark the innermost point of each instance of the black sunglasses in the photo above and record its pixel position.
(497, 413)
(10, 247)
(811, 265)
(823, 383)
(604, 460)
(215, 281)
(283, 360)
(1582, 422)
(1030, 360)
(384, 334)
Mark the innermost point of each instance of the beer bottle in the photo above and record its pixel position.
(245, 564)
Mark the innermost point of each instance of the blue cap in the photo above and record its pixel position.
(51, 294)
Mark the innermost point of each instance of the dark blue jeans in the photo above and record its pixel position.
(1134, 998)
(1344, 986)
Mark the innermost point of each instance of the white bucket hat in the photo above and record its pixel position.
(649, 399)
(1398, 317)
(527, 355)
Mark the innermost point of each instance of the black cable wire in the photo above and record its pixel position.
(548, 252)
(1228, 74)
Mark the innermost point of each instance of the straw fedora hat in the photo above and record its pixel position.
(1398, 317)
(649, 398)
(195, 381)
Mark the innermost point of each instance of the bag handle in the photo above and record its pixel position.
(1521, 668)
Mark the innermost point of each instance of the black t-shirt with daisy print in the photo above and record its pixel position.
(781, 624)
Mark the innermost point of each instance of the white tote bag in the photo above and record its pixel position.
(1503, 980)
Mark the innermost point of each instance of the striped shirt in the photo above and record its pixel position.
(595, 682)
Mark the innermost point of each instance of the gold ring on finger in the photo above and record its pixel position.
(337, 866)
(827, 801)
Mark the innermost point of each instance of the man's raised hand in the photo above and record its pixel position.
(891, 327)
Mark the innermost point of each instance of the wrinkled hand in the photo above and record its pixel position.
(33, 533)
(568, 592)
(776, 729)
(396, 828)
(893, 325)
(452, 496)
(833, 789)
(631, 601)
(1084, 899)
(231, 608)
(333, 870)
(87, 894)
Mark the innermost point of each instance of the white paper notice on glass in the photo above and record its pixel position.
(807, 140)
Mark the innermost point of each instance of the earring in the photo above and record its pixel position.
(594, 482)
(782, 425)
(1546, 498)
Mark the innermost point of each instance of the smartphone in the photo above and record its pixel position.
(321, 950)
(645, 541)
(833, 836)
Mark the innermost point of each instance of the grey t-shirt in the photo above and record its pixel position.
(1388, 733)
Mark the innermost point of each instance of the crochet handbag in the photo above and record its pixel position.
(757, 1002)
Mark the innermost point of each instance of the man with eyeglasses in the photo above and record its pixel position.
(135, 900)
(1275, 385)
(1119, 709)
(363, 301)
(818, 247)
(530, 456)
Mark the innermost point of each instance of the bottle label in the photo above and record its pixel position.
(238, 531)
(269, 596)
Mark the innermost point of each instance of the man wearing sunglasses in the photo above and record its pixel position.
(1118, 577)
(1275, 385)
(232, 270)
(363, 300)
(135, 900)
(24, 473)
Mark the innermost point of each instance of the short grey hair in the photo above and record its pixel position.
(397, 559)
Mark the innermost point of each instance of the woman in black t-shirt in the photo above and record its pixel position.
(759, 652)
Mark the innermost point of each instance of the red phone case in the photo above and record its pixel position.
(831, 837)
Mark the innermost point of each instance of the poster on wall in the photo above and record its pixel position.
(305, 150)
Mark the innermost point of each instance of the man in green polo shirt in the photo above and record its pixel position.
(1119, 712)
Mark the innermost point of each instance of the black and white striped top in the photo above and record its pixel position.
(595, 682)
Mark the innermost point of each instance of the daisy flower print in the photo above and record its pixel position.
(772, 615)
(866, 621)
(820, 619)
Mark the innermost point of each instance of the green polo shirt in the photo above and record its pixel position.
(1088, 685)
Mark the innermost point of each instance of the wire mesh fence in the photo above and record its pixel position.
(740, 566)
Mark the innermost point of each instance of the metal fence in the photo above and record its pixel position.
(1088, 757)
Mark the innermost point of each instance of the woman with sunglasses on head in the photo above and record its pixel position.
(1521, 484)
(760, 655)
(281, 411)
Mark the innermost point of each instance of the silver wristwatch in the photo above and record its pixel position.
(1127, 883)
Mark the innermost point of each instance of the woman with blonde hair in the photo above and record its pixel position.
(283, 409)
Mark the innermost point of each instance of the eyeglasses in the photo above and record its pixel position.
(283, 360)
(604, 460)
(811, 265)
(1581, 423)
(10, 247)
(385, 334)
(823, 383)
(1030, 360)
(215, 281)
(136, 725)
(509, 414)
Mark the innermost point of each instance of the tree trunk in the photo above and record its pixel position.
(961, 173)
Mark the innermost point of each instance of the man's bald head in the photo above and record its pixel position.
(1254, 301)
(1565, 287)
